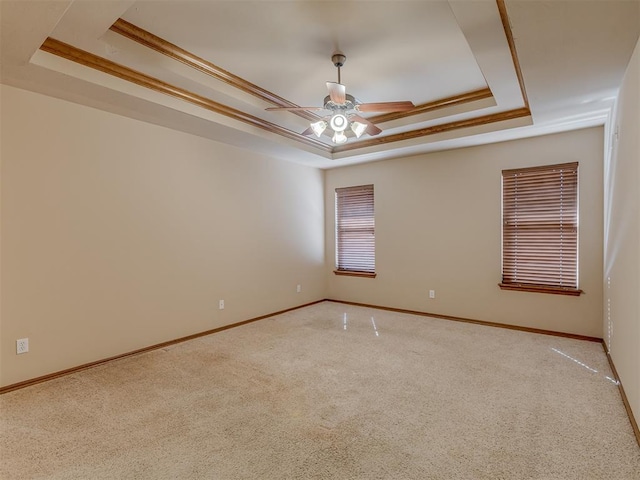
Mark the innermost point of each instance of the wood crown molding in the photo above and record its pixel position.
(148, 39)
(444, 127)
(69, 52)
(164, 47)
(504, 17)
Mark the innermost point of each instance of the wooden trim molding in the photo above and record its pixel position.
(69, 371)
(350, 273)
(575, 292)
(88, 59)
(435, 105)
(506, 25)
(160, 45)
(623, 395)
(164, 47)
(86, 366)
(149, 40)
(444, 127)
(625, 400)
(476, 322)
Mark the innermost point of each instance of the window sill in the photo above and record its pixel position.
(541, 289)
(352, 273)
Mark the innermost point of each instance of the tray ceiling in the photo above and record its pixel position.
(477, 71)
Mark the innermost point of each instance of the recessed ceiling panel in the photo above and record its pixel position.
(456, 60)
(411, 47)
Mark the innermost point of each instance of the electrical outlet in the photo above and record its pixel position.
(221, 305)
(298, 289)
(22, 345)
(432, 294)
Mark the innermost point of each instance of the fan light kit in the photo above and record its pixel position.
(338, 122)
(344, 111)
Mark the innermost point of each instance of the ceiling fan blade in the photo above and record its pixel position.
(371, 128)
(337, 92)
(385, 107)
(293, 109)
(308, 131)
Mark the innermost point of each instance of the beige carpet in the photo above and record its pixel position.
(331, 392)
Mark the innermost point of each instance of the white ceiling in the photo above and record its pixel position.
(571, 56)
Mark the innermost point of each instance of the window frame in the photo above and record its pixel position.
(360, 207)
(555, 218)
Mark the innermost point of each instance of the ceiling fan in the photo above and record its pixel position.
(344, 110)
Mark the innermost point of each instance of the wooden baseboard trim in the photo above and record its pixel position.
(68, 371)
(477, 322)
(85, 366)
(625, 400)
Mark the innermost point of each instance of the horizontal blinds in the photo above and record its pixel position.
(355, 229)
(540, 226)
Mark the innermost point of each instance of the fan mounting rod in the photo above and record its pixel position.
(338, 60)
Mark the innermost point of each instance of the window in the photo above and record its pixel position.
(540, 229)
(355, 231)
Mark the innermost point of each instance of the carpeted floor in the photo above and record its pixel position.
(331, 391)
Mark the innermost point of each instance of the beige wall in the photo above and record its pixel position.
(117, 234)
(438, 226)
(622, 237)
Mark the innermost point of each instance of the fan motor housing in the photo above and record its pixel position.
(349, 103)
(338, 59)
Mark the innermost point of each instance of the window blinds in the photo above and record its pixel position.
(540, 226)
(355, 229)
